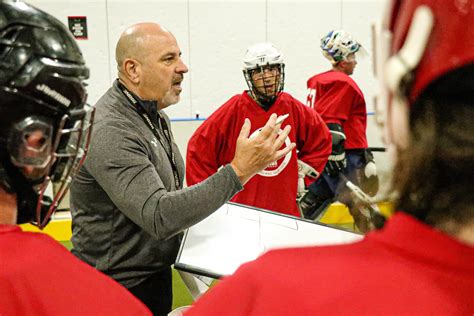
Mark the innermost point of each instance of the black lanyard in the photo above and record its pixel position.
(164, 126)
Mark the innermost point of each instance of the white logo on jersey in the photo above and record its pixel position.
(274, 169)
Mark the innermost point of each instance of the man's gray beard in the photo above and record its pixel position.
(169, 99)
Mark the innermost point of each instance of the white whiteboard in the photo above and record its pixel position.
(236, 234)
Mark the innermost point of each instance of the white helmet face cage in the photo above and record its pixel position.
(270, 83)
(51, 159)
(337, 45)
(266, 62)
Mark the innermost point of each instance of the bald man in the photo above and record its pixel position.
(128, 204)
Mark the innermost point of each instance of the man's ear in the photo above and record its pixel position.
(132, 69)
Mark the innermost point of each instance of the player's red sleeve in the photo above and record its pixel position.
(202, 153)
(313, 138)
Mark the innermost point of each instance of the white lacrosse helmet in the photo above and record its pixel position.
(262, 54)
(258, 57)
(337, 45)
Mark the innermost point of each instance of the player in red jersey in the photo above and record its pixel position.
(340, 102)
(212, 145)
(420, 263)
(44, 127)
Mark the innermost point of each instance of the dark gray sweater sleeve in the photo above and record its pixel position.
(119, 162)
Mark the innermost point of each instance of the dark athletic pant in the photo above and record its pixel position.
(156, 292)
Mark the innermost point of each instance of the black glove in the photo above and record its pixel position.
(312, 206)
(337, 159)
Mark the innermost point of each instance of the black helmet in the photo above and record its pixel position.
(44, 120)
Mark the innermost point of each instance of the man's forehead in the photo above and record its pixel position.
(165, 43)
(268, 66)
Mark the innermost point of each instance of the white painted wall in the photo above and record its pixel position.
(213, 36)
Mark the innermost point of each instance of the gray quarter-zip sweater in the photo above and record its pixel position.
(127, 213)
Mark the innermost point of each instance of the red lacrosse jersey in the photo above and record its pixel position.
(407, 268)
(338, 99)
(38, 276)
(213, 146)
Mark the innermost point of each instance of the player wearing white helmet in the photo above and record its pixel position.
(44, 128)
(264, 71)
(341, 104)
(420, 263)
(212, 145)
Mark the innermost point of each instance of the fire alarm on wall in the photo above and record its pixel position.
(78, 26)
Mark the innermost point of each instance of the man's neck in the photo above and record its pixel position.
(130, 87)
(466, 235)
(338, 69)
(463, 233)
(151, 107)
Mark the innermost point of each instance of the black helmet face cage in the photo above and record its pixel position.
(49, 145)
(69, 148)
(44, 124)
(269, 84)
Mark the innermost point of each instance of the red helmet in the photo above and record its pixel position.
(418, 42)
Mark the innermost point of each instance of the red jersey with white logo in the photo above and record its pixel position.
(407, 268)
(213, 146)
(38, 276)
(338, 99)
